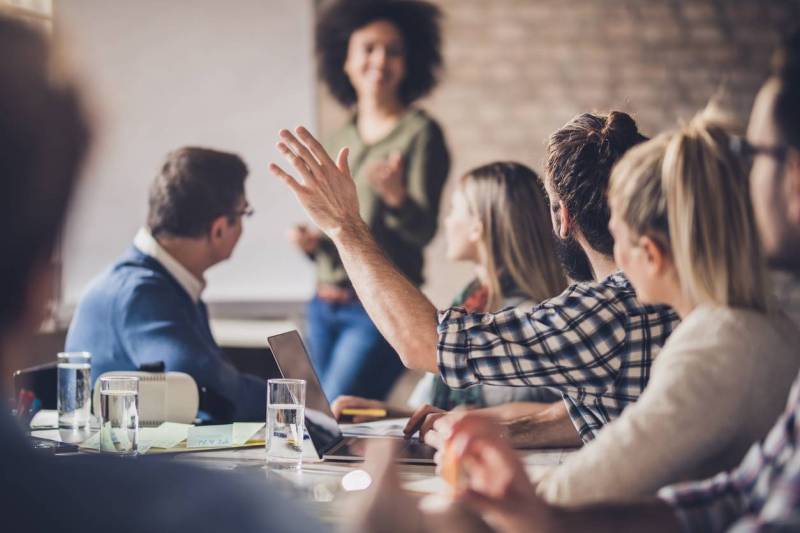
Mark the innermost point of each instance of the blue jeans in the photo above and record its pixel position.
(349, 354)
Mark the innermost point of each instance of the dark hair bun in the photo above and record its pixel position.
(620, 130)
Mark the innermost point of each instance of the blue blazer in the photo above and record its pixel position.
(137, 313)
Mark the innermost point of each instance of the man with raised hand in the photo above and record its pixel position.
(595, 342)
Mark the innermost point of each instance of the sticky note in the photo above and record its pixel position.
(210, 436)
(236, 434)
(244, 431)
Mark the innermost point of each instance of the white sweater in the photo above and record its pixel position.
(718, 385)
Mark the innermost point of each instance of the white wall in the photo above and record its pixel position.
(164, 74)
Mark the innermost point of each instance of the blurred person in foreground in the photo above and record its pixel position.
(43, 140)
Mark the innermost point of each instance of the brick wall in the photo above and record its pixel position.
(516, 70)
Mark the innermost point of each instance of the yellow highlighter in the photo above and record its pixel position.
(373, 413)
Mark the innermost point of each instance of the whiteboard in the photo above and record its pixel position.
(165, 74)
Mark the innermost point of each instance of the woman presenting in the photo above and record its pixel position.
(377, 58)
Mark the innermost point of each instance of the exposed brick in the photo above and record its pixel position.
(516, 70)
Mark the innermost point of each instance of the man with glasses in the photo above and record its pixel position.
(147, 309)
(762, 493)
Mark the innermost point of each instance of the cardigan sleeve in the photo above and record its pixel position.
(685, 419)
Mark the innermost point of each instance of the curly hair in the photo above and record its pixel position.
(418, 23)
(580, 156)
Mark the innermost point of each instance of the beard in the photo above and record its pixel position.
(574, 259)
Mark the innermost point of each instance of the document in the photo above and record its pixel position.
(392, 427)
(45, 419)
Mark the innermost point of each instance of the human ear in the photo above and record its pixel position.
(476, 231)
(217, 229)
(563, 221)
(656, 259)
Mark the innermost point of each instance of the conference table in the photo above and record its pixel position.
(323, 486)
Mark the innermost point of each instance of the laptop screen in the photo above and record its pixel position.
(294, 363)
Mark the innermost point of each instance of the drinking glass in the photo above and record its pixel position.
(286, 400)
(119, 414)
(74, 395)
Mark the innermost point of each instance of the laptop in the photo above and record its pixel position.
(294, 363)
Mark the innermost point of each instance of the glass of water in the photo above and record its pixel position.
(74, 395)
(286, 400)
(119, 414)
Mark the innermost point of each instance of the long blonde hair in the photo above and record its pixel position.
(518, 236)
(688, 191)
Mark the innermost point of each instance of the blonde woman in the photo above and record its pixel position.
(685, 235)
(499, 222)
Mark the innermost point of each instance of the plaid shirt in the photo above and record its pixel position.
(594, 342)
(761, 494)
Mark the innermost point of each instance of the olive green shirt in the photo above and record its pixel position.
(403, 232)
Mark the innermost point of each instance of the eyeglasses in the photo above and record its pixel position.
(245, 212)
(748, 151)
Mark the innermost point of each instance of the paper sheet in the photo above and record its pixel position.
(45, 419)
(392, 427)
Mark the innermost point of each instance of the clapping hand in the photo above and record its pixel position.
(386, 178)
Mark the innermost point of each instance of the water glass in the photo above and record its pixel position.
(119, 414)
(286, 400)
(74, 391)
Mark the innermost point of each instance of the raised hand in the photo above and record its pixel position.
(326, 189)
(387, 179)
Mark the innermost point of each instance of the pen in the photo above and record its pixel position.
(375, 413)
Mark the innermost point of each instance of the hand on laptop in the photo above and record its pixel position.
(326, 191)
(422, 420)
(434, 424)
